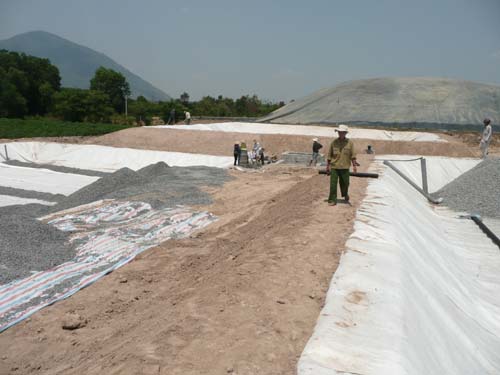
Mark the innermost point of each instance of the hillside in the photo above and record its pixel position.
(77, 64)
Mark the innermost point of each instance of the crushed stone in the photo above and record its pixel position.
(28, 245)
(476, 191)
(56, 168)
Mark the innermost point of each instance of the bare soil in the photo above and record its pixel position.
(221, 143)
(240, 297)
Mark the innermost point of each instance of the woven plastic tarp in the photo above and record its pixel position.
(107, 234)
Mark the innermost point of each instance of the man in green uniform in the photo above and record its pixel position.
(340, 157)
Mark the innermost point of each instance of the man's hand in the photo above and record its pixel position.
(355, 166)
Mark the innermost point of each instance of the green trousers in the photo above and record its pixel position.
(342, 177)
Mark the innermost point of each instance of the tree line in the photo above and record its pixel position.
(31, 86)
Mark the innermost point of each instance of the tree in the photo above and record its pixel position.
(184, 98)
(12, 102)
(46, 96)
(33, 79)
(141, 108)
(113, 84)
(82, 105)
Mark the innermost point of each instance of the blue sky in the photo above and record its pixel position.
(279, 50)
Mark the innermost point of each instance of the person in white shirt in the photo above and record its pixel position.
(486, 137)
(255, 150)
(187, 118)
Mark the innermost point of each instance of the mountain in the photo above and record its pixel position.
(406, 102)
(77, 64)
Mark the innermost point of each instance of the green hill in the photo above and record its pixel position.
(77, 64)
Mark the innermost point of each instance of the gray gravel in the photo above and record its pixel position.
(476, 191)
(56, 168)
(157, 184)
(27, 244)
(31, 194)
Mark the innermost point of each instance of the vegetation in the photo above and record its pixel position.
(114, 85)
(31, 86)
(82, 105)
(43, 127)
(27, 84)
(245, 106)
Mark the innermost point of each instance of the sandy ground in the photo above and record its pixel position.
(221, 143)
(460, 144)
(240, 297)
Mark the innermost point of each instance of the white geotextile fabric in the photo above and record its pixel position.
(8, 200)
(440, 170)
(313, 131)
(42, 180)
(416, 292)
(103, 158)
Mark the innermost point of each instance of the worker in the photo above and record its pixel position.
(187, 118)
(340, 157)
(254, 153)
(486, 137)
(237, 153)
(315, 154)
(261, 155)
(171, 117)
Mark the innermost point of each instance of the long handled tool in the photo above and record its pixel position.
(355, 174)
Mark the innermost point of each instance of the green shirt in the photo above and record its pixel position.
(341, 154)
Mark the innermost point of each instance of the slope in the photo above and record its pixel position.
(77, 64)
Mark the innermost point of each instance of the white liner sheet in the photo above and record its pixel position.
(416, 291)
(313, 131)
(8, 200)
(440, 170)
(103, 158)
(42, 180)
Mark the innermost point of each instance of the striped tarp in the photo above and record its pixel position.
(107, 234)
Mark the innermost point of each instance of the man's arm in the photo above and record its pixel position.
(354, 165)
(353, 159)
(488, 134)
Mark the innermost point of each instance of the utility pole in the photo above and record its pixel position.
(126, 109)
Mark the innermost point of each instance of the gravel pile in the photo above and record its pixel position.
(26, 244)
(157, 184)
(476, 191)
(100, 189)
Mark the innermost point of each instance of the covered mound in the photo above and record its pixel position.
(401, 102)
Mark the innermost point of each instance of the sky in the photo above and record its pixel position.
(276, 49)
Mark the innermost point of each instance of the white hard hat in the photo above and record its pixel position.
(315, 139)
